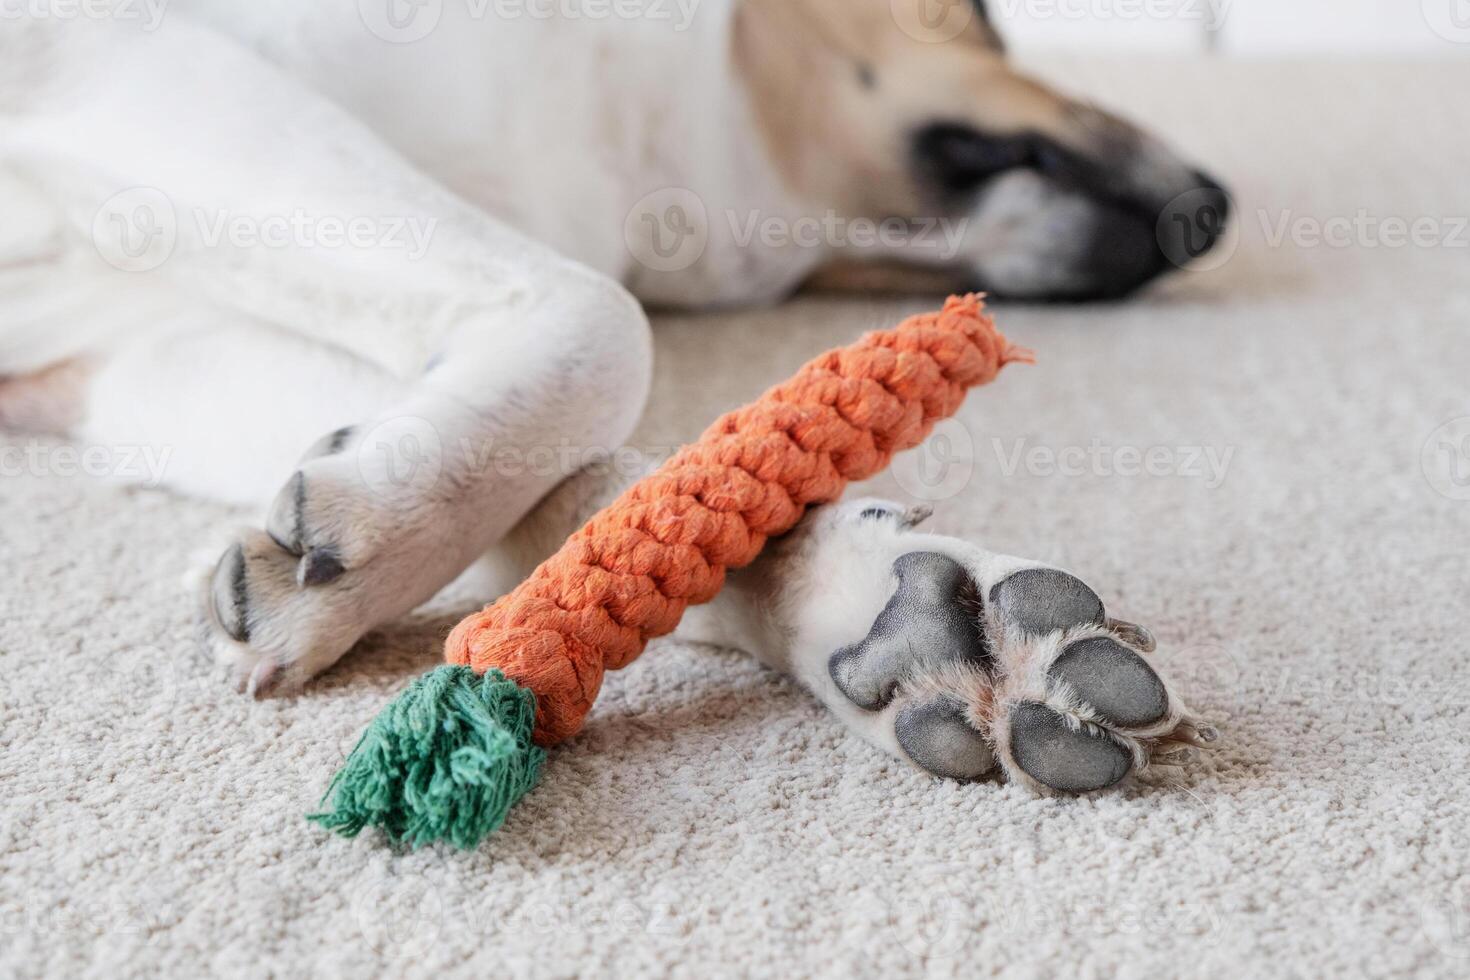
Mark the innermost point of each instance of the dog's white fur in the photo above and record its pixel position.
(516, 177)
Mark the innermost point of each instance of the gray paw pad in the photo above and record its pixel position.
(927, 623)
(1055, 755)
(937, 736)
(1114, 680)
(1043, 600)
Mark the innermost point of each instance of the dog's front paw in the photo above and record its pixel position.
(976, 662)
(268, 629)
(347, 544)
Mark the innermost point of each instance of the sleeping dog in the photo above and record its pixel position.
(393, 232)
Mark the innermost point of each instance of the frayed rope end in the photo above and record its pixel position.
(445, 761)
(1017, 355)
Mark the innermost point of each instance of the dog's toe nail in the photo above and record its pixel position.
(915, 516)
(1134, 635)
(262, 678)
(329, 444)
(939, 739)
(285, 523)
(1068, 760)
(318, 567)
(228, 595)
(1113, 680)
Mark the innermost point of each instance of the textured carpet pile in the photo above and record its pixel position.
(1249, 460)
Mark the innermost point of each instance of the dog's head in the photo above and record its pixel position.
(909, 109)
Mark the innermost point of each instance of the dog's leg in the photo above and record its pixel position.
(380, 515)
(482, 365)
(954, 659)
(221, 406)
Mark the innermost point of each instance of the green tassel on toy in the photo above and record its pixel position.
(445, 761)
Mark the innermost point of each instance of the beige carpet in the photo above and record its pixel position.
(713, 820)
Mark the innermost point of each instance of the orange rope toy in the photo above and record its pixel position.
(456, 751)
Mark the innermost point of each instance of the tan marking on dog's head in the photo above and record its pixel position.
(909, 109)
(839, 85)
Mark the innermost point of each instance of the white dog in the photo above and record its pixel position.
(397, 230)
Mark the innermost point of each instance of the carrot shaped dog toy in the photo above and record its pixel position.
(455, 752)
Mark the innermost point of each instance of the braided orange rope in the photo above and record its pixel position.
(629, 573)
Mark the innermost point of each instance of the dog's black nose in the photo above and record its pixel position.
(1192, 223)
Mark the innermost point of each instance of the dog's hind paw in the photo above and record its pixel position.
(973, 662)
